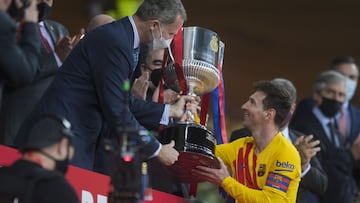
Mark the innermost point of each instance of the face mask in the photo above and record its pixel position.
(18, 13)
(350, 89)
(160, 43)
(60, 165)
(44, 10)
(330, 107)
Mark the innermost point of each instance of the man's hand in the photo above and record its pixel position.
(75, 39)
(63, 48)
(307, 149)
(141, 85)
(185, 102)
(168, 155)
(355, 148)
(212, 175)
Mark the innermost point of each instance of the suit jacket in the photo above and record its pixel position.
(337, 162)
(307, 105)
(315, 181)
(88, 91)
(19, 61)
(18, 102)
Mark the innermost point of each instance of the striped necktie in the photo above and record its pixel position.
(136, 53)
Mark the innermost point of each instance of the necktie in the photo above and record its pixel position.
(45, 41)
(136, 53)
(342, 124)
(334, 134)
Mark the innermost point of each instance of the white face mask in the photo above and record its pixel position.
(350, 89)
(160, 43)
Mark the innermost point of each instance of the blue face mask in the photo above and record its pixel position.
(350, 89)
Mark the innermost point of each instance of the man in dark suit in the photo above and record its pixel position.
(329, 93)
(19, 102)
(91, 87)
(18, 60)
(313, 177)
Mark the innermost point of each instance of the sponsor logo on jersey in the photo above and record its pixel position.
(284, 166)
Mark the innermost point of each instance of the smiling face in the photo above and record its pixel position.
(253, 111)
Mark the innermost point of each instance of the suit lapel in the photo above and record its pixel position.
(51, 30)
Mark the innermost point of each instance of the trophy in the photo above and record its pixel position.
(201, 53)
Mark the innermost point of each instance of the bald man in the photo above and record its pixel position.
(99, 20)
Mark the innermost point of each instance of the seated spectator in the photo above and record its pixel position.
(39, 175)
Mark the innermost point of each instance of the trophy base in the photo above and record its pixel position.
(196, 146)
(188, 161)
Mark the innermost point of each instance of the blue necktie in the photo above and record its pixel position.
(136, 53)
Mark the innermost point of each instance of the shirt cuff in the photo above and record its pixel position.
(306, 171)
(156, 152)
(165, 116)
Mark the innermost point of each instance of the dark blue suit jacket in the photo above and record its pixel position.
(88, 91)
(338, 163)
(307, 105)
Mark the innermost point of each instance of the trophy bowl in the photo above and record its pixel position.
(196, 144)
(200, 61)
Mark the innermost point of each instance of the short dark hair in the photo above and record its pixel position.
(277, 97)
(339, 60)
(165, 11)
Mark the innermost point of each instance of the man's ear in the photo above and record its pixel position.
(153, 24)
(270, 114)
(63, 148)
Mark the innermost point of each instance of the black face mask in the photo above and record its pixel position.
(330, 107)
(60, 165)
(44, 10)
(18, 13)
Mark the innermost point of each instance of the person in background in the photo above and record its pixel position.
(266, 167)
(337, 159)
(55, 45)
(91, 87)
(18, 60)
(98, 20)
(39, 175)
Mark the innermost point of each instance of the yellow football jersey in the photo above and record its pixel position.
(273, 175)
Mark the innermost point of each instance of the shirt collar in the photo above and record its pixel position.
(286, 134)
(136, 33)
(321, 117)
